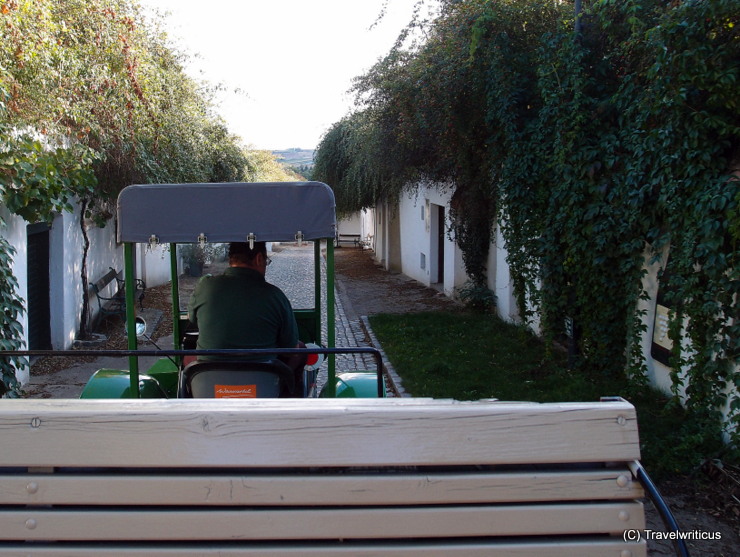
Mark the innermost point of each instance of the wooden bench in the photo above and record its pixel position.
(318, 477)
(348, 239)
(116, 303)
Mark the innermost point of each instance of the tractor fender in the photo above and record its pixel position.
(116, 383)
(356, 384)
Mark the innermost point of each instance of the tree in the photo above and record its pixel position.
(93, 98)
(263, 166)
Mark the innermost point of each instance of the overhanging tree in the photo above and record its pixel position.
(93, 98)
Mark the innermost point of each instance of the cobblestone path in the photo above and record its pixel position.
(292, 270)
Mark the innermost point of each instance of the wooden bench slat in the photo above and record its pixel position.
(354, 489)
(338, 523)
(317, 477)
(105, 280)
(300, 433)
(530, 548)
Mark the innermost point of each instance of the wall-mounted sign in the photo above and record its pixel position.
(662, 344)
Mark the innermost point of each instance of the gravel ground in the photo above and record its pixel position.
(367, 289)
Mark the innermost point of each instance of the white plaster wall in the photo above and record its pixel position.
(659, 373)
(66, 246)
(14, 231)
(379, 223)
(456, 267)
(415, 229)
(416, 226)
(499, 279)
(350, 225)
(367, 227)
(419, 247)
(65, 252)
(153, 265)
(104, 253)
(415, 256)
(534, 322)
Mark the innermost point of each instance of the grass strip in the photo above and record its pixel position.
(472, 356)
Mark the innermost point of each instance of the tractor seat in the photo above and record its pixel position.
(227, 379)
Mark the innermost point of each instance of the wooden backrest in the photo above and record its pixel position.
(100, 284)
(318, 477)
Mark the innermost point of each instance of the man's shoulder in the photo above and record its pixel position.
(204, 279)
(206, 283)
(272, 288)
(276, 292)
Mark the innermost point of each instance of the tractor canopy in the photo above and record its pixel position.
(226, 212)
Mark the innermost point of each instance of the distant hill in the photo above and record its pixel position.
(295, 157)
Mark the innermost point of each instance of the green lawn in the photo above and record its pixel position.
(470, 356)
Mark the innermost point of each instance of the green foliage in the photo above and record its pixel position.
(419, 122)
(36, 181)
(199, 255)
(95, 73)
(476, 297)
(353, 160)
(305, 171)
(264, 166)
(595, 150)
(10, 328)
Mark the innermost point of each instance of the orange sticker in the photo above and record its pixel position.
(235, 391)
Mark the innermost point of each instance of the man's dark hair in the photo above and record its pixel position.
(240, 252)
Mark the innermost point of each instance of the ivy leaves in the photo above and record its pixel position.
(36, 181)
(594, 150)
(10, 328)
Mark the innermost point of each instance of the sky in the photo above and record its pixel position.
(292, 60)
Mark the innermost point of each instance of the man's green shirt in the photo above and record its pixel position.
(240, 309)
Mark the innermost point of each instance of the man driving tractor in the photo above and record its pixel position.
(239, 309)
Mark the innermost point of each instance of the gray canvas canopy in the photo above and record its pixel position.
(227, 212)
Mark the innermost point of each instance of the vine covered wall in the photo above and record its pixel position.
(592, 147)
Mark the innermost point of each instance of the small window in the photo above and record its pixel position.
(423, 261)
